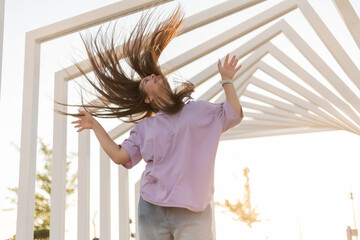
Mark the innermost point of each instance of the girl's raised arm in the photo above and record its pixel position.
(227, 72)
(117, 154)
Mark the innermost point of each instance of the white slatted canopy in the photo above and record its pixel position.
(274, 104)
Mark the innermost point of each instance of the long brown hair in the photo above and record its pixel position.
(120, 92)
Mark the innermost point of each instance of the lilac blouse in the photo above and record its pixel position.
(180, 152)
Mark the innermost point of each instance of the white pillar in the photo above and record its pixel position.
(84, 186)
(29, 122)
(2, 14)
(137, 199)
(124, 224)
(213, 227)
(58, 164)
(105, 200)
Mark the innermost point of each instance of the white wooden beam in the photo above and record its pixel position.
(58, 163)
(271, 118)
(300, 103)
(272, 110)
(120, 129)
(105, 196)
(230, 35)
(277, 132)
(124, 217)
(330, 41)
(354, 128)
(310, 96)
(299, 109)
(92, 18)
(83, 226)
(240, 52)
(216, 12)
(213, 219)
(322, 67)
(247, 64)
(197, 20)
(315, 84)
(29, 122)
(137, 199)
(2, 16)
(323, 91)
(266, 123)
(278, 27)
(350, 18)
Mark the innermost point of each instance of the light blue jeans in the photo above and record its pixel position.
(173, 223)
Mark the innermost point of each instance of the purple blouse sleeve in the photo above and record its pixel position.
(227, 116)
(132, 147)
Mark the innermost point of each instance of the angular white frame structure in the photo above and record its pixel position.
(306, 111)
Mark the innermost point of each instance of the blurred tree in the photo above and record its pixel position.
(42, 196)
(243, 209)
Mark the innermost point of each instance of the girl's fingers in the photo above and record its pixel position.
(77, 121)
(83, 112)
(236, 61)
(219, 64)
(232, 60)
(226, 60)
(80, 129)
(238, 68)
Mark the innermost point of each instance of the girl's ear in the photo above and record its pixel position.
(148, 100)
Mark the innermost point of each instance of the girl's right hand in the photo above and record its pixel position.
(85, 121)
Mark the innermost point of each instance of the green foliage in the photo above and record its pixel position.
(42, 196)
(243, 209)
(42, 234)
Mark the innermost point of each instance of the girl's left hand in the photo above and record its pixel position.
(229, 69)
(86, 121)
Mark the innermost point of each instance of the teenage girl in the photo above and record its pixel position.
(176, 136)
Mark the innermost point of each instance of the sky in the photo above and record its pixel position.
(300, 183)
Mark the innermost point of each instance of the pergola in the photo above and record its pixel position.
(310, 106)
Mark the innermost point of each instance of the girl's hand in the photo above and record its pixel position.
(229, 69)
(85, 121)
